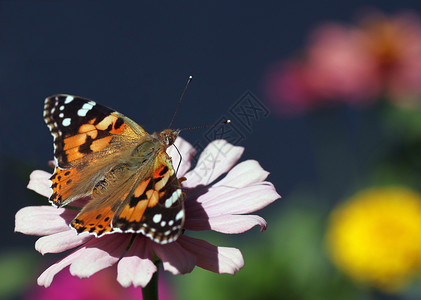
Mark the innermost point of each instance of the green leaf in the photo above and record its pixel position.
(17, 272)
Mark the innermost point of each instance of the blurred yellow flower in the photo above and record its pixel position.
(375, 237)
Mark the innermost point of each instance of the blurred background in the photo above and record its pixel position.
(326, 95)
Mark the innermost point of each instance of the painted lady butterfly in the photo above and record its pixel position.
(124, 171)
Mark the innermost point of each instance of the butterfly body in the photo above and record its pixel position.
(125, 172)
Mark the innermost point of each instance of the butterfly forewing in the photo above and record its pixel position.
(123, 171)
(88, 138)
(83, 128)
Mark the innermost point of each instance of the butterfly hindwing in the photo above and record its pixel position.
(155, 205)
(148, 202)
(108, 195)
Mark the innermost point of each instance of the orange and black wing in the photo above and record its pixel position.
(88, 138)
(151, 203)
(156, 205)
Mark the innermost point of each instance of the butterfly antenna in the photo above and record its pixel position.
(197, 127)
(180, 100)
(207, 126)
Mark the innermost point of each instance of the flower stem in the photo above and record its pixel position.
(150, 291)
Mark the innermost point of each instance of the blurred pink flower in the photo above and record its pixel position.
(289, 88)
(101, 285)
(381, 56)
(222, 206)
(395, 45)
(340, 67)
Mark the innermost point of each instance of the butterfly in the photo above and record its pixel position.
(123, 171)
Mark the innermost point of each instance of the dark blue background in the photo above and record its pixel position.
(135, 56)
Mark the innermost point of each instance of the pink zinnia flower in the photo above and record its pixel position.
(102, 285)
(336, 68)
(394, 42)
(222, 206)
(380, 56)
(290, 89)
(340, 67)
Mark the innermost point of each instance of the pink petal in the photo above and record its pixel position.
(245, 173)
(187, 152)
(232, 224)
(136, 267)
(97, 254)
(217, 158)
(61, 241)
(39, 181)
(43, 220)
(242, 175)
(213, 258)
(100, 253)
(238, 200)
(47, 276)
(175, 258)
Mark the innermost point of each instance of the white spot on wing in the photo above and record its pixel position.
(61, 115)
(163, 223)
(180, 215)
(157, 218)
(68, 99)
(66, 122)
(85, 108)
(82, 112)
(174, 197)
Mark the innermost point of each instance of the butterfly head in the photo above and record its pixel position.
(168, 136)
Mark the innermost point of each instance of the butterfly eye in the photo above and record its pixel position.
(169, 139)
(168, 136)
